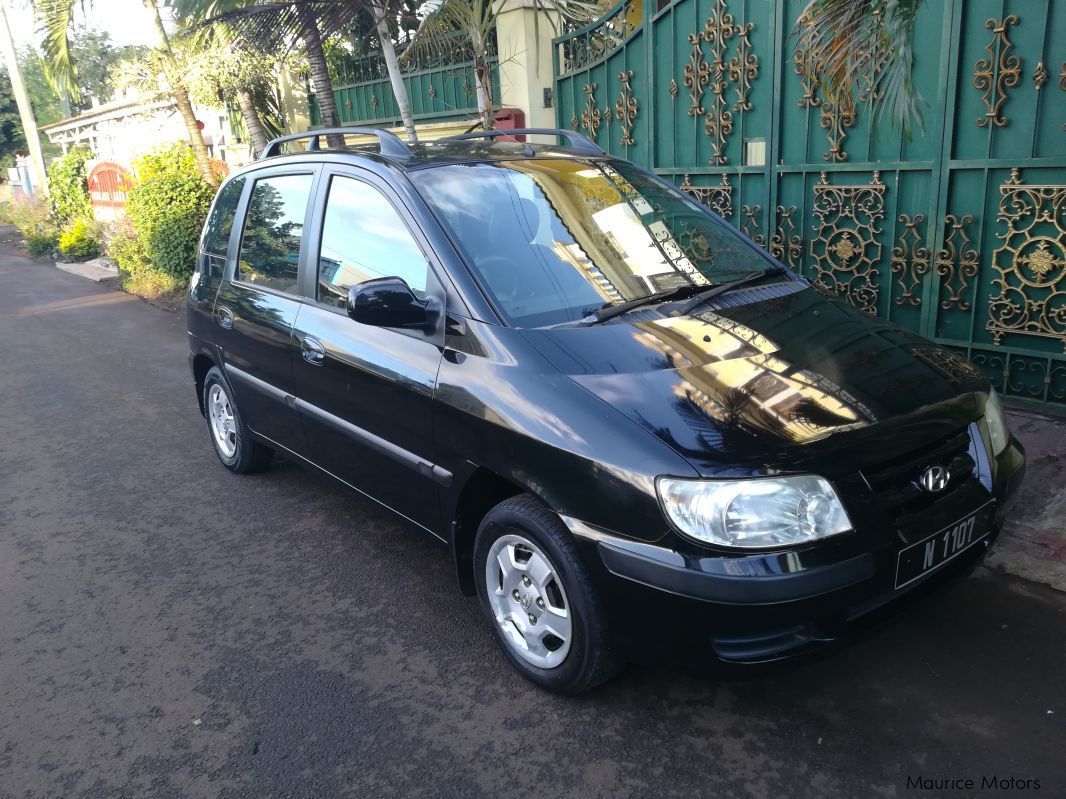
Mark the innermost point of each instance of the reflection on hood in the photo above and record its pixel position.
(762, 377)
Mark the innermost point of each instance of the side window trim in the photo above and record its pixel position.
(214, 207)
(237, 232)
(237, 240)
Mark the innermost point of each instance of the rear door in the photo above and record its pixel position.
(365, 394)
(258, 302)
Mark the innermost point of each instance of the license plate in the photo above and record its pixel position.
(929, 554)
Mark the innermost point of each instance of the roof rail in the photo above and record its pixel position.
(577, 141)
(389, 143)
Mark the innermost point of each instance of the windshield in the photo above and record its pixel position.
(555, 240)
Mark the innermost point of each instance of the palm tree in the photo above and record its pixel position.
(55, 18)
(213, 71)
(271, 26)
(864, 48)
(476, 19)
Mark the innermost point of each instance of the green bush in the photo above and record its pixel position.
(40, 243)
(136, 272)
(33, 218)
(167, 208)
(79, 240)
(68, 186)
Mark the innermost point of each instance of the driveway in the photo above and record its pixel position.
(168, 629)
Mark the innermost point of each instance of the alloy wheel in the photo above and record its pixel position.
(528, 601)
(220, 416)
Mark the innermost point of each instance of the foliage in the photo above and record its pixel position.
(68, 184)
(272, 27)
(91, 52)
(54, 18)
(476, 19)
(75, 62)
(79, 240)
(33, 218)
(865, 48)
(212, 71)
(136, 272)
(42, 98)
(94, 55)
(167, 207)
(40, 244)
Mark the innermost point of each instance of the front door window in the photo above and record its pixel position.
(363, 237)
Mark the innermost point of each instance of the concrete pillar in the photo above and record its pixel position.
(524, 38)
(294, 104)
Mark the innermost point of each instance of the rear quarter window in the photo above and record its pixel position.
(220, 222)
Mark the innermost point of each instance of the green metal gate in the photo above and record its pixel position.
(958, 234)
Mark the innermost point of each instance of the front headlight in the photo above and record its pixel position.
(998, 432)
(763, 512)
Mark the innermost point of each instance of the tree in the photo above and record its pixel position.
(94, 55)
(43, 99)
(476, 20)
(22, 100)
(271, 26)
(55, 18)
(215, 73)
(864, 48)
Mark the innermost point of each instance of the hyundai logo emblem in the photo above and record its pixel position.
(935, 478)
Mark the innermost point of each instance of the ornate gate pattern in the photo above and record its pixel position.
(959, 234)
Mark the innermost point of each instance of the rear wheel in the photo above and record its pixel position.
(538, 598)
(233, 444)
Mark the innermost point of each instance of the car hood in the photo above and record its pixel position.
(772, 384)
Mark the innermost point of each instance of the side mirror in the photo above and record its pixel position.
(389, 302)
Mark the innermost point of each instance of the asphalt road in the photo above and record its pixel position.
(170, 630)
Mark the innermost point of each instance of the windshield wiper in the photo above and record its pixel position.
(611, 311)
(719, 289)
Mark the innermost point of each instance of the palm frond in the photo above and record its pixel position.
(862, 49)
(267, 26)
(444, 18)
(436, 35)
(54, 18)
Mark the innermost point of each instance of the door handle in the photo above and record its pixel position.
(312, 350)
(224, 317)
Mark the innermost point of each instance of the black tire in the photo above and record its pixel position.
(591, 659)
(249, 455)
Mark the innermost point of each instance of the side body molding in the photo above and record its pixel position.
(409, 459)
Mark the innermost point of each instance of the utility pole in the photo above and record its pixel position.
(29, 123)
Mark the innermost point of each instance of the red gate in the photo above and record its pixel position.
(109, 184)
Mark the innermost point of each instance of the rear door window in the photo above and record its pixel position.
(273, 232)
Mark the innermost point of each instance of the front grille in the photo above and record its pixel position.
(895, 482)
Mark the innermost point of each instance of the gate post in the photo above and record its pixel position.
(524, 43)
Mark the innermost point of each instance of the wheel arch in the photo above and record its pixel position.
(201, 365)
(483, 490)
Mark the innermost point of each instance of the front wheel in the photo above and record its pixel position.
(538, 597)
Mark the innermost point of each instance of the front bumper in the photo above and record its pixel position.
(759, 607)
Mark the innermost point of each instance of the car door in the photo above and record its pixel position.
(258, 302)
(365, 393)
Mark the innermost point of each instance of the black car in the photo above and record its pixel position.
(639, 436)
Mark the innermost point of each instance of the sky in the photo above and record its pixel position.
(126, 21)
